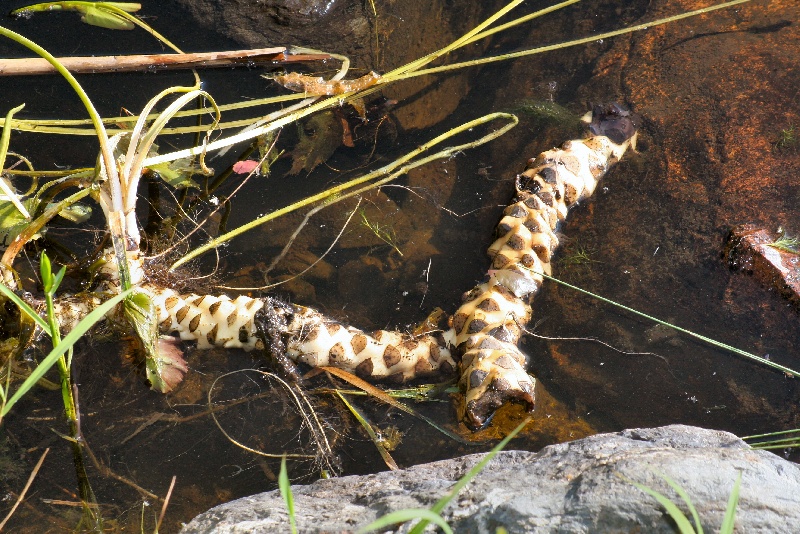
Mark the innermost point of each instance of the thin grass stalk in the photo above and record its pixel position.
(116, 219)
(41, 125)
(66, 343)
(681, 521)
(37, 224)
(521, 20)
(138, 155)
(4, 142)
(24, 491)
(442, 503)
(777, 444)
(771, 434)
(729, 521)
(138, 128)
(458, 43)
(383, 451)
(567, 44)
(97, 121)
(708, 340)
(391, 170)
(285, 488)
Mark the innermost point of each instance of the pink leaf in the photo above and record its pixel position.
(245, 167)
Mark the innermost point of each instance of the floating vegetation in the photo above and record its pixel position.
(787, 139)
(546, 113)
(786, 243)
(383, 232)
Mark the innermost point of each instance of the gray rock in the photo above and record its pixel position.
(570, 487)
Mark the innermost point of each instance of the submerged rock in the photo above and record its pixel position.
(757, 251)
(571, 487)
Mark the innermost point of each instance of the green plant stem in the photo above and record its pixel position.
(117, 223)
(708, 340)
(771, 434)
(393, 170)
(4, 141)
(440, 505)
(576, 42)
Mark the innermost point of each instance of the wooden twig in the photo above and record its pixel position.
(25, 489)
(166, 503)
(92, 64)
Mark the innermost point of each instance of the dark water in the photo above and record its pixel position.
(586, 387)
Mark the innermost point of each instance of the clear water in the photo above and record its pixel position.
(634, 235)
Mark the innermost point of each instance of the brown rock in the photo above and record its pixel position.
(748, 249)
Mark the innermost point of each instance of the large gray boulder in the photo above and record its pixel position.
(570, 487)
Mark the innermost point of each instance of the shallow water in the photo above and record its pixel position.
(642, 249)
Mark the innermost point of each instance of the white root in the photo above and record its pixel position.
(485, 330)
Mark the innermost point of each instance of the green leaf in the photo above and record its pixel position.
(685, 496)
(286, 492)
(12, 222)
(59, 278)
(401, 516)
(680, 519)
(729, 520)
(22, 305)
(177, 174)
(66, 344)
(97, 16)
(463, 481)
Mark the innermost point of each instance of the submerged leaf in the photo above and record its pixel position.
(164, 361)
(97, 16)
(12, 222)
(245, 167)
(178, 173)
(100, 14)
(320, 136)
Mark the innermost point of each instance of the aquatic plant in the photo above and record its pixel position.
(123, 157)
(684, 525)
(786, 243)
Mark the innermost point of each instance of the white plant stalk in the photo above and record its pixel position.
(484, 331)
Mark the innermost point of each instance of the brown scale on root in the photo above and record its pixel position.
(303, 335)
(484, 331)
(488, 325)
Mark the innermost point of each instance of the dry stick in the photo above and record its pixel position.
(91, 64)
(25, 489)
(109, 473)
(166, 503)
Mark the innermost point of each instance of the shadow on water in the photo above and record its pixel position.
(632, 243)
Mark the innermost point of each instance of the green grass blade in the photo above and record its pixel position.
(66, 344)
(22, 305)
(708, 340)
(771, 434)
(730, 512)
(680, 519)
(401, 516)
(685, 496)
(5, 139)
(383, 451)
(286, 493)
(383, 175)
(444, 501)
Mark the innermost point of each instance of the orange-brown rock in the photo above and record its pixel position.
(749, 249)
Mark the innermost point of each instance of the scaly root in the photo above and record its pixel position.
(484, 331)
(488, 325)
